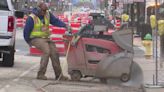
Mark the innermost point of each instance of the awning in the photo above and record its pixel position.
(129, 1)
(125, 1)
(138, 0)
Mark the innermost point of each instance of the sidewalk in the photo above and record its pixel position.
(148, 66)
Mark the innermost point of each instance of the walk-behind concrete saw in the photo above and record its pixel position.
(104, 56)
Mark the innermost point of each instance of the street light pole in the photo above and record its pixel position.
(155, 54)
(156, 42)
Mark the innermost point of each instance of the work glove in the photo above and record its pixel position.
(68, 33)
(75, 41)
(69, 29)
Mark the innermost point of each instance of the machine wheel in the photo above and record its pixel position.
(125, 77)
(76, 75)
(8, 58)
(103, 80)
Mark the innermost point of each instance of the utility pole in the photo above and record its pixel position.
(161, 40)
(156, 42)
(106, 4)
(16, 4)
(115, 4)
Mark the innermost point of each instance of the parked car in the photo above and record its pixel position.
(7, 32)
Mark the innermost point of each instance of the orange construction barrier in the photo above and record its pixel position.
(118, 24)
(75, 27)
(34, 51)
(56, 36)
(20, 22)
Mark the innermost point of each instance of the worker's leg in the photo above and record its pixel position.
(42, 44)
(55, 61)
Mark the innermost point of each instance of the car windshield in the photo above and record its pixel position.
(3, 5)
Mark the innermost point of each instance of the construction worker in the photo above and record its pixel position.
(125, 19)
(36, 33)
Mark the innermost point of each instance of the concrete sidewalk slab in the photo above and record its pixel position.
(148, 66)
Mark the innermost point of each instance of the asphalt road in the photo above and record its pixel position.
(22, 77)
(21, 46)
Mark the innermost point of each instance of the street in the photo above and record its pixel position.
(22, 77)
(105, 45)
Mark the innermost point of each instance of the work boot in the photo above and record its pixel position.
(64, 78)
(42, 77)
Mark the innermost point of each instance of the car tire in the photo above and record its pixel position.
(75, 75)
(8, 58)
(125, 77)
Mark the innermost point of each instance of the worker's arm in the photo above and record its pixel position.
(28, 29)
(56, 22)
(78, 35)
